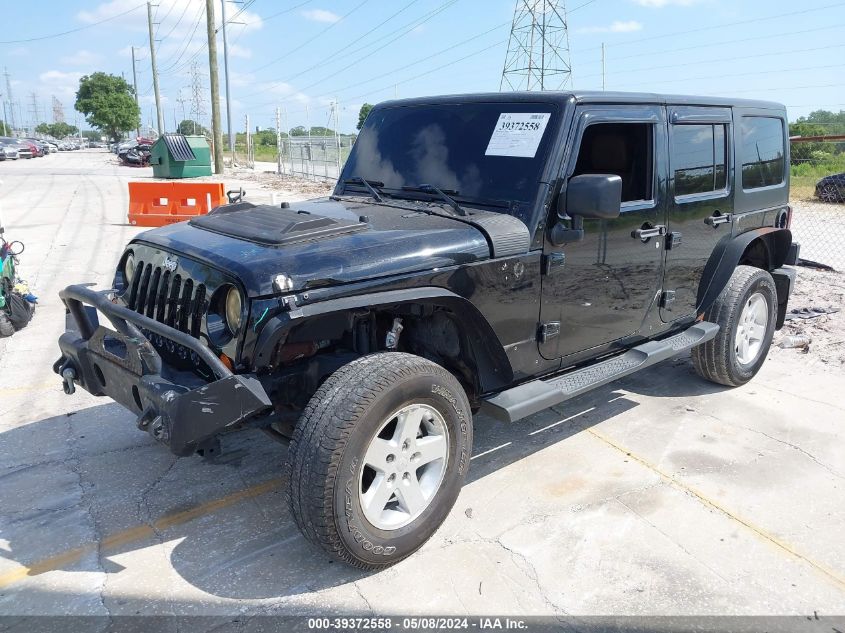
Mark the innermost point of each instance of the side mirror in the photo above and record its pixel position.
(592, 196)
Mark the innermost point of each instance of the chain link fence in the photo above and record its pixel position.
(818, 199)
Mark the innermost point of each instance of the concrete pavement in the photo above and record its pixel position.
(659, 494)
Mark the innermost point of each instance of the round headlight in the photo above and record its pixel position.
(129, 268)
(233, 310)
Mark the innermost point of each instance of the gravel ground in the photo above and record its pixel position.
(826, 349)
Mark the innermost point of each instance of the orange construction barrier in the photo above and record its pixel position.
(161, 203)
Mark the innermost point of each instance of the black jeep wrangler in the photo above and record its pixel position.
(495, 252)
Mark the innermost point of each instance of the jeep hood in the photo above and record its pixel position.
(324, 242)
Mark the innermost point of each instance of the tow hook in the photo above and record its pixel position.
(391, 341)
(68, 376)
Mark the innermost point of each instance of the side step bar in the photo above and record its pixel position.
(537, 395)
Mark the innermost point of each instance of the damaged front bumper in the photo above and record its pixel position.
(177, 407)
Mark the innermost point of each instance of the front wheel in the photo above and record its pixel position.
(378, 458)
(746, 313)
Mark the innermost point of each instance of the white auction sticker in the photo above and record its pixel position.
(517, 134)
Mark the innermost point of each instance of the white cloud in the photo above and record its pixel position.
(616, 26)
(320, 15)
(80, 58)
(659, 4)
(62, 84)
(239, 51)
(131, 15)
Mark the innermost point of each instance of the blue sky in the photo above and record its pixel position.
(303, 54)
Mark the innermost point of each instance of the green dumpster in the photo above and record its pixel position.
(180, 156)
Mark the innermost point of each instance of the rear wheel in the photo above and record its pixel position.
(745, 313)
(378, 458)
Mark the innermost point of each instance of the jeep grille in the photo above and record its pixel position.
(168, 298)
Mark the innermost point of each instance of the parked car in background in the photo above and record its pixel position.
(23, 148)
(831, 188)
(42, 146)
(54, 147)
(36, 150)
(9, 151)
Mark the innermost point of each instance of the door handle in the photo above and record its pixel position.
(647, 231)
(717, 218)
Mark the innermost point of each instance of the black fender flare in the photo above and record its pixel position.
(728, 254)
(493, 367)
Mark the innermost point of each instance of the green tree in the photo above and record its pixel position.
(319, 130)
(264, 138)
(363, 114)
(108, 104)
(189, 126)
(57, 130)
(299, 130)
(5, 128)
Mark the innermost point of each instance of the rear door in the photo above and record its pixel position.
(700, 200)
(599, 289)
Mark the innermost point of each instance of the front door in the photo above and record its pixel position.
(599, 289)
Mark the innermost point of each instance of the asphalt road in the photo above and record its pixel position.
(659, 494)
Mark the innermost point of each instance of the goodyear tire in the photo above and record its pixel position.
(378, 458)
(746, 314)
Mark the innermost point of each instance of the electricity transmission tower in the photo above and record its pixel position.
(538, 47)
(34, 110)
(58, 111)
(197, 96)
(10, 98)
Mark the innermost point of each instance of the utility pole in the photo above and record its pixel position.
(278, 140)
(229, 129)
(217, 136)
(336, 108)
(135, 86)
(159, 114)
(602, 66)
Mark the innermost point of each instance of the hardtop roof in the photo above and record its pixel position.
(587, 96)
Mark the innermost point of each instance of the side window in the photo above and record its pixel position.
(624, 149)
(699, 158)
(762, 151)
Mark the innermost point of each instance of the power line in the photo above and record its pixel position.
(76, 30)
(275, 15)
(311, 39)
(204, 45)
(173, 4)
(186, 42)
(790, 33)
(345, 49)
(419, 22)
(753, 72)
(716, 26)
(184, 11)
(687, 63)
(423, 59)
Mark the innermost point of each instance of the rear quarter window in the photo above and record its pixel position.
(762, 149)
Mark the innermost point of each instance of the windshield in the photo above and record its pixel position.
(477, 152)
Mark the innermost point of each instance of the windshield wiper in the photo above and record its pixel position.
(424, 188)
(373, 186)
